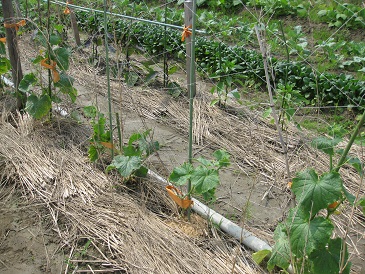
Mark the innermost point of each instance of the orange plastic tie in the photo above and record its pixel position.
(174, 194)
(52, 66)
(21, 23)
(67, 9)
(186, 33)
(3, 40)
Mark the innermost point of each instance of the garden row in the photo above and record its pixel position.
(220, 61)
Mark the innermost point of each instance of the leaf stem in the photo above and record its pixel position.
(349, 144)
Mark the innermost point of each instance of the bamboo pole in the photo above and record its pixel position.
(74, 25)
(12, 43)
(107, 70)
(274, 114)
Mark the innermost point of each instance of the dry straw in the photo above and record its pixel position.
(47, 164)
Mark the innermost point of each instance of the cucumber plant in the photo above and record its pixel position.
(204, 177)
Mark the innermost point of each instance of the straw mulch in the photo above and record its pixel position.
(46, 163)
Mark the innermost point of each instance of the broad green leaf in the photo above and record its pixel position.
(55, 39)
(222, 157)
(148, 147)
(93, 153)
(237, 2)
(38, 59)
(141, 172)
(322, 13)
(131, 78)
(59, 28)
(267, 113)
(27, 81)
(327, 259)
(174, 89)
(180, 175)
(280, 255)
(314, 193)
(125, 165)
(209, 196)
(307, 234)
(61, 56)
(205, 162)
(356, 163)
(173, 69)
(90, 111)
(5, 65)
(325, 144)
(130, 150)
(38, 107)
(213, 102)
(134, 137)
(150, 76)
(259, 256)
(204, 179)
(65, 81)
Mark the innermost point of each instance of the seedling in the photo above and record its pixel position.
(204, 178)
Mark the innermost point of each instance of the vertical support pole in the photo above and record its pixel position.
(108, 75)
(188, 21)
(74, 26)
(11, 38)
(190, 10)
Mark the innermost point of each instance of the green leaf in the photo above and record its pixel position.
(325, 144)
(130, 150)
(259, 256)
(61, 56)
(90, 111)
(356, 163)
(327, 259)
(5, 65)
(204, 179)
(38, 59)
(27, 81)
(322, 13)
(55, 39)
(314, 193)
(125, 165)
(38, 107)
(141, 172)
(267, 113)
(93, 153)
(181, 175)
(307, 234)
(280, 255)
(351, 198)
(174, 89)
(173, 69)
(222, 157)
(59, 28)
(150, 76)
(131, 78)
(65, 81)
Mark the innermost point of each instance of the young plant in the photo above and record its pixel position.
(303, 239)
(130, 161)
(101, 138)
(56, 61)
(204, 178)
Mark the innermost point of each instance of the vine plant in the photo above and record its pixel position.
(304, 239)
(54, 58)
(204, 178)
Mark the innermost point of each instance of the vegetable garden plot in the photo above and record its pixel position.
(251, 140)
